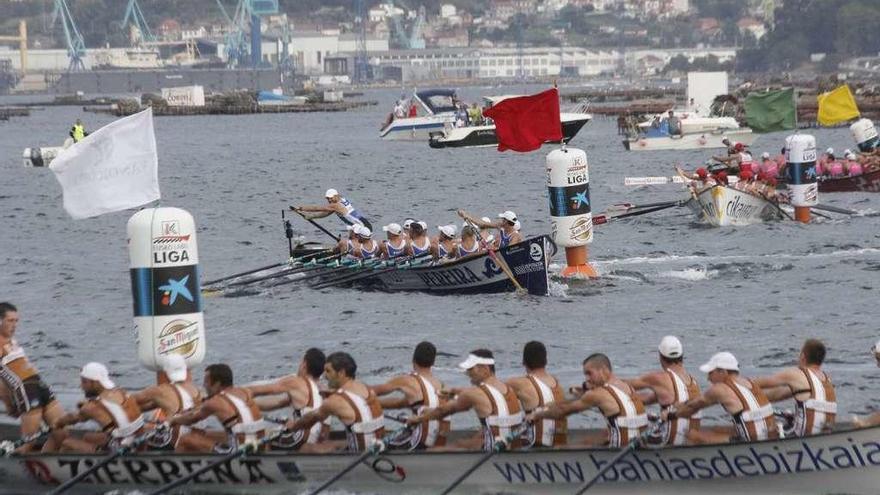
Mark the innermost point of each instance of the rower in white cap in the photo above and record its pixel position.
(367, 248)
(507, 225)
(163, 401)
(348, 245)
(113, 409)
(419, 242)
(668, 386)
(496, 405)
(342, 207)
(443, 245)
(744, 401)
(396, 243)
(873, 419)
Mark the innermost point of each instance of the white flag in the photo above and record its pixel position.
(114, 168)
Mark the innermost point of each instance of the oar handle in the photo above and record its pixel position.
(316, 224)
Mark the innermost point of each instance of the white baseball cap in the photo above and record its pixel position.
(671, 347)
(97, 372)
(174, 366)
(447, 230)
(363, 231)
(765, 155)
(721, 361)
(830, 151)
(486, 219)
(876, 348)
(517, 225)
(508, 215)
(393, 228)
(474, 360)
(408, 222)
(330, 193)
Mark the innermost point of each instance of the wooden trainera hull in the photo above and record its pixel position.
(841, 462)
(724, 206)
(527, 260)
(867, 182)
(705, 140)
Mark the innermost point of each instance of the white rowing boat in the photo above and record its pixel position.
(694, 141)
(840, 462)
(723, 206)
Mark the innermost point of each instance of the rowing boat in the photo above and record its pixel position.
(723, 206)
(866, 182)
(846, 461)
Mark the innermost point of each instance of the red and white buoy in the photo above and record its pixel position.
(800, 154)
(571, 218)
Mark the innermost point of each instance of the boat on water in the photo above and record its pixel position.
(844, 461)
(438, 111)
(723, 206)
(866, 182)
(696, 133)
(484, 135)
(43, 156)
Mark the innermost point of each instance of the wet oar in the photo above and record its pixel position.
(499, 260)
(316, 224)
(600, 219)
(627, 207)
(835, 209)
(236, 275)
(7, 447)
(629, 447)
(369, 272)
(366, 267)
(374, 449)
(500, 446)
(296, 269)
(325, 271)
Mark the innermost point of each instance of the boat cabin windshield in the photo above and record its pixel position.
(437, 100)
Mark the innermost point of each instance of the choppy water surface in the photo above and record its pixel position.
(757, 291)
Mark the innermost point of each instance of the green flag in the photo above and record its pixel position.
(771, 110)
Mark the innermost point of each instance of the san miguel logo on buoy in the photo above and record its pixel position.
(581, 230)
(178, 336)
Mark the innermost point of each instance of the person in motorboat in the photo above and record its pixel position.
(301, 394)
(232, 406)
(367, 247)
(741, 398)
(443, 244)
(873, 419)
(618, 403)
(23, 392)
(506, 225)
(495, 404)
(475, 114)
(342, 207)
(395, 245)
(537, 390)
(352, 402)
(114, 410)
(851, 165)
(162, 401)
(419, 242)
(811, 388)
(674, 124)
(78, 131)
(417, 391)
(669, 385)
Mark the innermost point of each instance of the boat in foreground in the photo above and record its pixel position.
(839, 462)
(723, 206)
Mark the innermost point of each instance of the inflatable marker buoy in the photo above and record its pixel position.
(165, 286)
(571, 218)
(865, 134)
(800, 154)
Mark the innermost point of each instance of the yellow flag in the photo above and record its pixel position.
(837, 106)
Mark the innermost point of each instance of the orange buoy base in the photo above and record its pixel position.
(577, 264)
(802, 214)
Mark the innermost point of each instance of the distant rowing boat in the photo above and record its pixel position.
(723, 206)
(866, 182)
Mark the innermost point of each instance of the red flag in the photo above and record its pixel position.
(525, 123)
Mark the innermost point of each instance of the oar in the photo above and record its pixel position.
(629, 447)
(835, 209)
(238, 452)
(324, 272)
(294, 265)
(627, 207)
(366, 267)
(601, 219)
(374, 449)
(121, 451)
(499, 446)
(7, 447)
(236, 275)
(296, 269)
(316, 224)
(370, 272)
(499, 260)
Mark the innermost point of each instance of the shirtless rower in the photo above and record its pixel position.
(342, 207)
(352, 402)
(443, 246)
(873, 419)
(617, 401)
(495, 404)
(234, 408)
(537, 390)
(741, 398)
(419, 390)
(112, 408)
(506, 225)
(668, 386)
(164, 400)
(22, 391)
(396, 243)
(302, 394)
(419, 242)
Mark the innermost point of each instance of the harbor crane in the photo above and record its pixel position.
(76, 47)
(135, 16)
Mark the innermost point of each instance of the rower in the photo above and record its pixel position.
(443, 246)
(851, 165)
(468, 243)
(112, 408)
(342, 207)
(232, 406)
(873, 419)
(25, 395)
(396, 243)
(537, 390)
(668, 386)
(420, 390)
(741, 398)
(302, 394)
(506, 225)
(353, 403)
(367, 247)
(495, 404)
(812, 390)
(163, 401)
(769, 167)
(407, 227)
(419, 242)
(617, 401)
(348, 245)
(487, 233)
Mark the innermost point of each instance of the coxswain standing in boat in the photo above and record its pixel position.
(873, 419)
(668, 386)
(443, 245)
(417, 391)
(396, 243)
(22, 391)
(508, 234)
(622, 408)
(419, 242)
(813, 393)
(112, 408)
(741, 398)
(300, 392)
(164, 400)
(496, 405)
(538, 390)
(232, 406)
(352, 402)
(342, 207)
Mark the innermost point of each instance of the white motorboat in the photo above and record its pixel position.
(696, 133)
(43, 156)
(437, 111)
